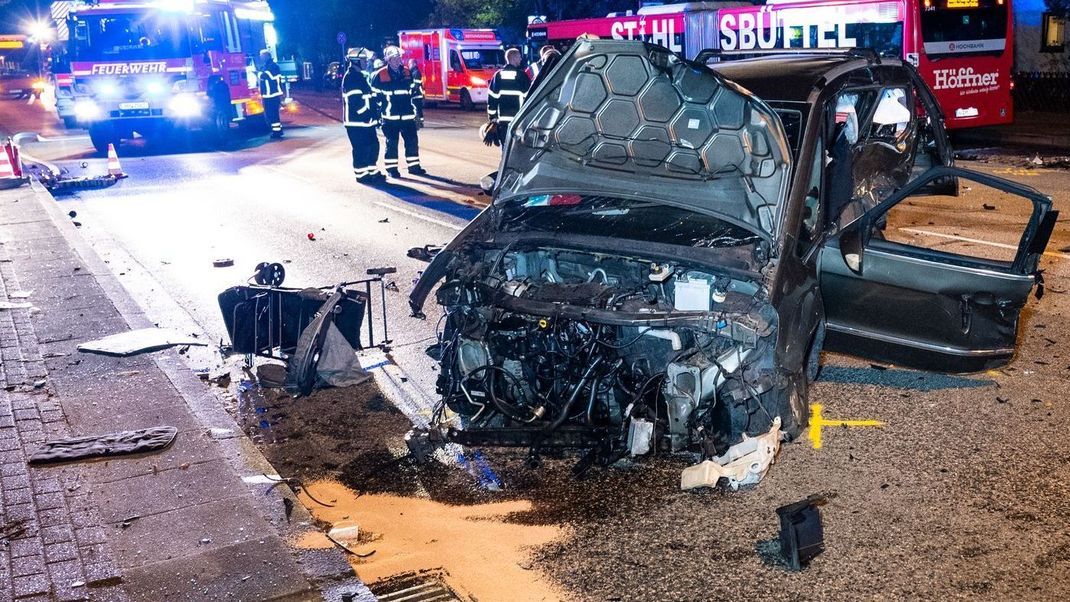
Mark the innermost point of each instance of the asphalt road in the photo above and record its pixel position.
(963, 493)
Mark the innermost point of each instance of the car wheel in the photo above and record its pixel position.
(101, 135)
(466, 101)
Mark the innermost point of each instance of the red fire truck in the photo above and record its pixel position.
(456, 64)
(154, 66)
(962, 48)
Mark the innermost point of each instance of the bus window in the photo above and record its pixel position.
(964, 27)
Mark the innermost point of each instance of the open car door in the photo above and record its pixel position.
(937, 281)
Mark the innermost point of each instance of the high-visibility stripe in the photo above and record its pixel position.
(411, 161)
(360, 124)
(390, 162)
(512, 93)
(504, 119)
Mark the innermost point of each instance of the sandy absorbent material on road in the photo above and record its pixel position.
(343, 446)
(479, 554)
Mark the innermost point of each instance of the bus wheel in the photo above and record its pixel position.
(466, 100)
(102, 134)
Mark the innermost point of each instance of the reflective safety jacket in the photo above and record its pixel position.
(417, 85)
(270, 78)
(508, 88)
(395, 90)
(361, 105)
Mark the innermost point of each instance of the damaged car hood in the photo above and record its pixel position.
(630, 119)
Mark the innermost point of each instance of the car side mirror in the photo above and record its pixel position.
(852, 245)
(486, 183)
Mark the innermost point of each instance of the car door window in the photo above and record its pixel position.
(982, 225)
(455, 62)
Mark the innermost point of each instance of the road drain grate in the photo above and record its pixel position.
(415, 587)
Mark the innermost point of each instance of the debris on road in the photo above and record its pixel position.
(424, 253)
(15, 305)
(139, 341)
(801, 534)
(112, 444)
(311, 236)
(745, 463)
(223, 263)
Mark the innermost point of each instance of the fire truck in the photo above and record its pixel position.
(962, 48)
(456, 64)
(157, 66)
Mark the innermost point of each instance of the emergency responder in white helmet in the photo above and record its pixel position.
(395, 88)
(361, 117)
(270, 78)
(418, 91)
(506, 94)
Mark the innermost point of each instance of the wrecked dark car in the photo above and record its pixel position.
(660, 266)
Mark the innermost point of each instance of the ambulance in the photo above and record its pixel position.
(456, 64)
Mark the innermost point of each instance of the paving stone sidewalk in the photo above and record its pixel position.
(178, 524)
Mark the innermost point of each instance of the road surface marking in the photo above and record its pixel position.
(1016, 171)
(425, 218)
(979, 242)
(817, 422)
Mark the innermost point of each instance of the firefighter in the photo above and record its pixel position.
(418, 97)
(548, 57)
(270, 78)
(361, 118)
(394, 85)
(508, 88)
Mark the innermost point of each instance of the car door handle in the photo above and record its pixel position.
(966, 308)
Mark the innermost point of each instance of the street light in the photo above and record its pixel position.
(40, 31)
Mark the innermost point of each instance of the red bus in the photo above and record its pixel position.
(963, 48)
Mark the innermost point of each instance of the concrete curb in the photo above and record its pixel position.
(240, 453)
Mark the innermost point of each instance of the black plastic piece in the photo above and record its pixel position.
(260, 319)
(801, 535)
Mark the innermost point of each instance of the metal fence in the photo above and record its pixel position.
(1046, 91)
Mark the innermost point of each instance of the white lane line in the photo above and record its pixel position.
(420, 216)
(979, 242)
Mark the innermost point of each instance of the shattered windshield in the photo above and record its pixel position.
(629, 219)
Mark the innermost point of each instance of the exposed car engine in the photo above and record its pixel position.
(557, 347)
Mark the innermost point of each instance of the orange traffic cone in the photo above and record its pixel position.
(114, 169)
(7, 171)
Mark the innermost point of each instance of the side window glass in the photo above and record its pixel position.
(810, 226)
(455, 61)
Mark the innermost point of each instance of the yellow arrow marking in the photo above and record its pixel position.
(817, 421)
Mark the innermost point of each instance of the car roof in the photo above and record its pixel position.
(790, 77)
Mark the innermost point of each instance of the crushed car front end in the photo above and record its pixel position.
(616, 295)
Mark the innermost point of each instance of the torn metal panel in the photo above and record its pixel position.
(745, 463)
(140, 341)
